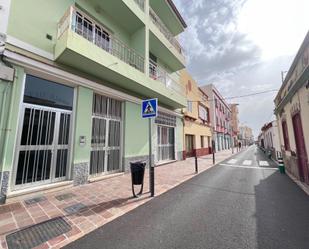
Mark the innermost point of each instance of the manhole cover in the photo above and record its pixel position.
(65, 196)
(35, 200)
(75, 208)
(38, 234)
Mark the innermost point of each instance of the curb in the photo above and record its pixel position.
(299, 183)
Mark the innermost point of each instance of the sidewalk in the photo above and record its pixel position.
(97, 203)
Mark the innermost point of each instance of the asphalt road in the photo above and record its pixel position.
(236, 204)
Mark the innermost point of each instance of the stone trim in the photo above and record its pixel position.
(80, 173)
(4, 181)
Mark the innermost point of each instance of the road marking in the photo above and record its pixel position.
(246, 167)
(247, 162)
(263, 163)
(232, 161)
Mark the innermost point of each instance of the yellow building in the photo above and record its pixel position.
(197, 128)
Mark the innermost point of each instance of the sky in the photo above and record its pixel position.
(241, 46)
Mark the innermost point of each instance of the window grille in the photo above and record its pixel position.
(106, 135)
(165, 119)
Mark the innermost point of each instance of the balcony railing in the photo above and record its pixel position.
(94, 32)
(158, 73)
(141, 4)
(164, 30)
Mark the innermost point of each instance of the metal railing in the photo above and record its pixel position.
(141, 4)
(164, 30)
(94, 32)
(158, 73)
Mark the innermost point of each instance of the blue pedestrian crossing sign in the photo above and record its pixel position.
(149, 108)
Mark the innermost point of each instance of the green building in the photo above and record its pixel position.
(70, 111)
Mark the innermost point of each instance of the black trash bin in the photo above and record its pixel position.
(137, 176)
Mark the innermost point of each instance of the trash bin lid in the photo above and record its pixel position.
(141, 163)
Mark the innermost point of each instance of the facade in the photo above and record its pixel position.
(292, 112)
(197, 127)
(234, 124)
(245, 136)
(269, 140)
(81, 69)
(220, 118)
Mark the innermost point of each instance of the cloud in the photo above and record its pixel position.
(212, 41)
(219, 53)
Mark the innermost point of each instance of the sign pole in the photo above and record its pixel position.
(151, 168)
(150, 110)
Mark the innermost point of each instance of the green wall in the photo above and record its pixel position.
(34, 32)
(136, 131)
(138, 41)
(83, 124)
(107, 20)
(9, 124)
(31, 24)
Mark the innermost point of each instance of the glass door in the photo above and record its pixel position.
(166, 143)
(106, 136)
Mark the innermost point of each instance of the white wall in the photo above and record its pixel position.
(4, 15)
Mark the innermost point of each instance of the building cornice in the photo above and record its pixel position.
(301, 81)
(47, 70)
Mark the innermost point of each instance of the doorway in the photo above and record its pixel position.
(189, 145)
(106, 135)
(301, 149)
(43, 146)
(166, 143)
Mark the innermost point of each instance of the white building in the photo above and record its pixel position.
(269, 139)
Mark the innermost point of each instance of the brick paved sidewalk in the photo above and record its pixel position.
(105, 200)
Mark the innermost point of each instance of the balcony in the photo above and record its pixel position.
(159, 74)
(86, 27)
(141, 4)
(163, 43)
(84, 45)
(164, 30)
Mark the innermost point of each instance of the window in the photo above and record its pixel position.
(47, 93)
(202, 142)
(190, 106)
(285, 135)
(203, 113)
(102, 38)
(84, 26)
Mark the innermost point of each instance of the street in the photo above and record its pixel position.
(243, 202)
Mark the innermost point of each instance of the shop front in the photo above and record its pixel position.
(43, 147)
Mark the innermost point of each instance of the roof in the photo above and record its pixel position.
(294, 63)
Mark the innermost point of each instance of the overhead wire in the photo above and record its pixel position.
(240, 96)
